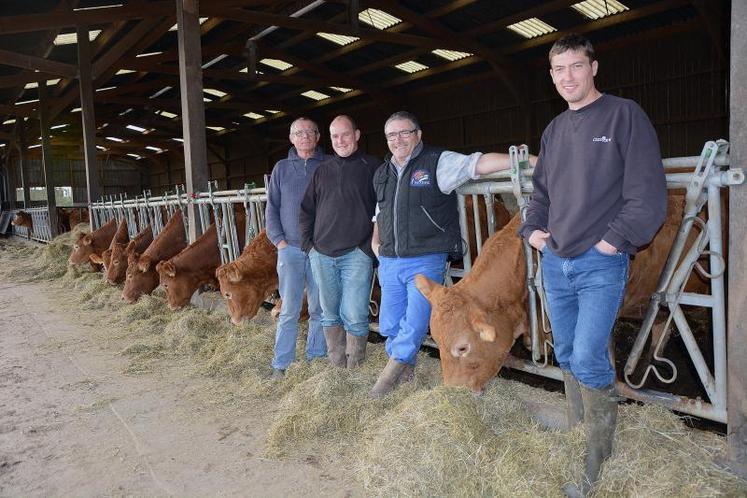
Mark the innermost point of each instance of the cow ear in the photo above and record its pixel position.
(426, 286)
(87, 240)
(96, 259)
(143, 264)
(234, 275)
(486, 331)
(169, 268)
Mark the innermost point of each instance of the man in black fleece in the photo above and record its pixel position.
(335, 224)
(599, 194)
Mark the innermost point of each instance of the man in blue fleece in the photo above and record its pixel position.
(288, 183)
(599, 195)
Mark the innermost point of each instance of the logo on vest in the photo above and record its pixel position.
(420, 178)
(603, 138)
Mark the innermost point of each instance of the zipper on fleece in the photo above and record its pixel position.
(432, 220)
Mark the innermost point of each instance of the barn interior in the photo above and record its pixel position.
(103, 98)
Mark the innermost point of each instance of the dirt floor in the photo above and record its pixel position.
(73, 424)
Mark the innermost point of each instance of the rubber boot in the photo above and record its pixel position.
(600, 419)
(388, 379)
(335, 338)
(553, 417)
(356, 349)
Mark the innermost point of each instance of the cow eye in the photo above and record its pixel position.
(227, 295)
(165, 286)
(115, 263)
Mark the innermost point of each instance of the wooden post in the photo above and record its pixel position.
(737, 304)
(193, 109)
(47, 157)
(85, 76)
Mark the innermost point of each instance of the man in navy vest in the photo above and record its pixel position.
(416, 228)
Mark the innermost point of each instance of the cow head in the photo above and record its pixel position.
(244, 293)
(179, 285)
(140, 278)
(473, 344)
(82, 249)
(117, 267)
(23, 219)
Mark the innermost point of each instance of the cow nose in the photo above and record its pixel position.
(460, 349)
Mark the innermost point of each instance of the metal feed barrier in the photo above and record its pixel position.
(708, 173)
(40, 221)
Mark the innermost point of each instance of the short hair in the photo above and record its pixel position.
(403, 115)
(572, 41)
(345, 116)
(303, 118)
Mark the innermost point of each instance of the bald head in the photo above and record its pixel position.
(344, 134)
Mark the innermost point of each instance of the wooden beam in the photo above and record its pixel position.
(193, 111)
(33, 63)
(93, 181)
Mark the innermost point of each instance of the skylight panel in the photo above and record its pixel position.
(126, 111)
(215, 128)
(9, 121)
(77, 9)
(253, 115)
(341, 40)
(176, 26)
(159, 92)
(271, 111)
(135, 156)
(341, 89)
(124, 71)
(105, 88)
(57, 127)
(411, 67)
(148, 54)
(597, 9)
(167, 114)
(21, 102)
(451, 55)
(157, 150)
(378, 18)
(314, 95)
(70, 38)
(34, 146)
(214, 60)
(100, 147)
(116, 139)
(136, 128)
(35, 84)
(246, 70)
(276, 63)
(175, 139)
(531, 28)
(2, 145)
(214, 91)
(75, 109)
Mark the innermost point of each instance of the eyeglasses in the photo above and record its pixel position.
(304, 133)
(401, 134)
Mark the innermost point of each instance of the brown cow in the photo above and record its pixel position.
(141, 277)
(122, 236)
(476, 321)
(248, 281)
(78, 216)
(183, 274)
(93, 243)
(115, 271)
(23, 219)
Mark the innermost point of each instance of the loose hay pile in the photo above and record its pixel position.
(423, 440)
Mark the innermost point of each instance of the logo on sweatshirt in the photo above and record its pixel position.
(420, 178)
(603, 138)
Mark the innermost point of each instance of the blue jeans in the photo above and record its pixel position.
(344, 289)
(405, 313)
(584, 294)
(293, 269)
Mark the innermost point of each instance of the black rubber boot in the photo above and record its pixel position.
(356, 349)
(388, 379)
(554, 417)
(600, 419)
(335, 338)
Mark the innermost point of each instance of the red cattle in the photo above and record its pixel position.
(476, 321)
(248, 281)
(93, 243)
(117, 268)
(183, 274)
(77, 216)
(122, 236)
(23, 219)
(141, 277)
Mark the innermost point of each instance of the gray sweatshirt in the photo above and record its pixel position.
(599, 176)
(287, 185)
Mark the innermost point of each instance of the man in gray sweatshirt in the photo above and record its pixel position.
(599, 195)
(288, 182)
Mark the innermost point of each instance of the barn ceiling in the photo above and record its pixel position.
(265, 61)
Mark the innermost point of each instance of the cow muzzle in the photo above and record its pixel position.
(461, 349)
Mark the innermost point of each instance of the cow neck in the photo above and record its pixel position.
(500, 265)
